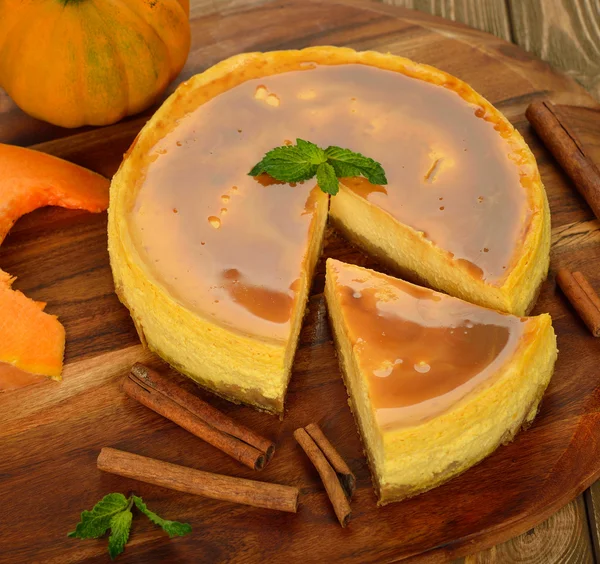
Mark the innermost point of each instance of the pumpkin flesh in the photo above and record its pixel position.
(30, 180)
(32, 342)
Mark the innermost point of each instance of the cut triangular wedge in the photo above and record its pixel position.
(436, 384)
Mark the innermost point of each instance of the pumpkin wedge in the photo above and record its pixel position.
(32, 342)
(30, 180)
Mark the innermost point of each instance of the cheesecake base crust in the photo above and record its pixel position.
(235, 394)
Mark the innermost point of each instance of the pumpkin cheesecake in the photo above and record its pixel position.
(435, 383)
(215, 265)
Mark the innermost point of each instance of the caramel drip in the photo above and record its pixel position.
(264, 303)
(421, 351)
(198, 214)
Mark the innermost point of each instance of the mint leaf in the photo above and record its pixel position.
(172, 528)
(348, 163)
(96, 522)
(120, 525)
(287, 163)
(304, 160)
(113, 512)
(258, 169)
(311, 152)
(327, 180)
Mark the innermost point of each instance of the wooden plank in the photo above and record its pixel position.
(491, 16)
(562, 539)
(566, 33)
(592, 500)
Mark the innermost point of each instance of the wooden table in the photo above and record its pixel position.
(566, 33)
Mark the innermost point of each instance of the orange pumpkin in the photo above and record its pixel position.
(90, 62)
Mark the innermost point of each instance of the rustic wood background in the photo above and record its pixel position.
(565, 33)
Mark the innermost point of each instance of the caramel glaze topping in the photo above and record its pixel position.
(422, 351)
(230, 247)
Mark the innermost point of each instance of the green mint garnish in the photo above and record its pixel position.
(304, 160)
(113, 512)
(119, 533)
(96, 522)
(172, 528)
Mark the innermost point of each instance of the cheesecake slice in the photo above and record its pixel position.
(215, 265)
(435, 383)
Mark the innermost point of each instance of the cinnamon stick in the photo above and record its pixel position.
(567, 150)
(330, 480)
(587, 288)
(582, 297)
(197, 482)
(344, 473)
(164, 396)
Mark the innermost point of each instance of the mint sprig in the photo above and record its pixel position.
(304, 160)
(96, 522)
(113, 512)
(172, 528)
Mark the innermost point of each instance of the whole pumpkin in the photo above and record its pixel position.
(90, 62)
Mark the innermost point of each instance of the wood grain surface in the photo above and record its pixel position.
(490, 15)
(565, 33)
(564, 537)
(50, 434)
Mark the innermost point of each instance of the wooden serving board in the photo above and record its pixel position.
(50, 434)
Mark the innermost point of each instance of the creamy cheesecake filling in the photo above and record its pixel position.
(421, 351)
(230, 247)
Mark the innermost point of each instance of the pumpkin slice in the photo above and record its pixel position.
(32, 342)
(30, 180)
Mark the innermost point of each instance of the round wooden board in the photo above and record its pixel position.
(50, 434)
